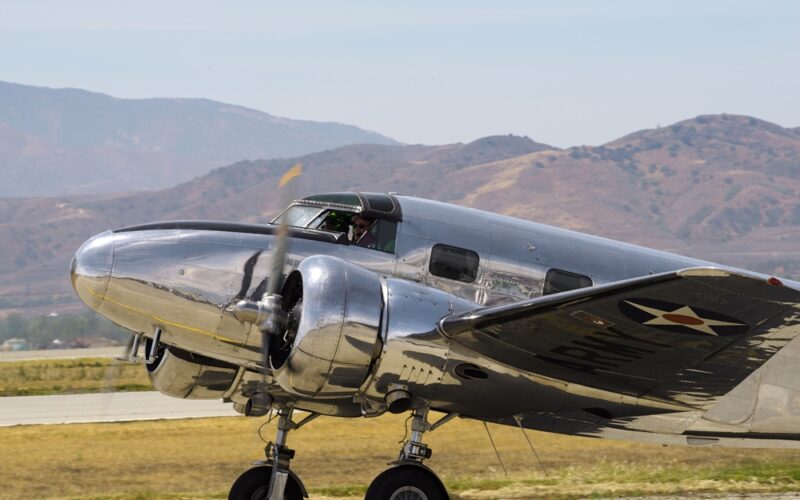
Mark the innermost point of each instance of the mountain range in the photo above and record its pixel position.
(70, 141)
(718, 187)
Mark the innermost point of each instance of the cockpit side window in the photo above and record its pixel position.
(385, 232)
(377, 234)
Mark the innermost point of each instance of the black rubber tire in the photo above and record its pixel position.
(426, 486)
(253, 484)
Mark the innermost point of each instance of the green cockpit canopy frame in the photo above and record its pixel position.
(374, 205)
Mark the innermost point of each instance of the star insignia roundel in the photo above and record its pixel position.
(681, 318)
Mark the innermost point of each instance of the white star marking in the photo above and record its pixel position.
(683, 316)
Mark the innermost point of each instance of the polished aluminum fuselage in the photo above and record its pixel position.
(188, 278)
(185, 281)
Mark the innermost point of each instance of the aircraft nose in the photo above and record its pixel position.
(91, 268)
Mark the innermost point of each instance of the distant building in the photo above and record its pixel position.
(14, 345)
(58, 344)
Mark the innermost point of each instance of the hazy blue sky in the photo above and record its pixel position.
(565, 73)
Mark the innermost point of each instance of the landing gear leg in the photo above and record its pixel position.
(272, 479)
(408, 478)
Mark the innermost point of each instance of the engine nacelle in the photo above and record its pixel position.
(182, 374)
(336, 328)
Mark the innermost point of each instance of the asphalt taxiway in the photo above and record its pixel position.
(98, 407)
(105, 407)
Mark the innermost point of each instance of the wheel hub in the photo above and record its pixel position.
(408, 493)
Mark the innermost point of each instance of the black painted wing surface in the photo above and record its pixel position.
(686, 337)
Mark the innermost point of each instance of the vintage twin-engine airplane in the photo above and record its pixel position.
(359, 303)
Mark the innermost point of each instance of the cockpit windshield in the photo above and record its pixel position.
(298, 215)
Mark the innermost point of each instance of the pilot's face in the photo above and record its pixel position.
(359, 226)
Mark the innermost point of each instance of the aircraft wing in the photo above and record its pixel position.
(686, 337)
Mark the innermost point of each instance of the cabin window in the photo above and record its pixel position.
(558, 281)
(454, 263)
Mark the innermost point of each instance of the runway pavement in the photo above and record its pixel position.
(101, 407)
(105, 407)
(99, 352)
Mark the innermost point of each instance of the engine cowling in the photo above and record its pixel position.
(335, 328)
(182, 374)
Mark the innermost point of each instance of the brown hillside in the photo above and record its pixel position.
(41, 234)
(717, 187)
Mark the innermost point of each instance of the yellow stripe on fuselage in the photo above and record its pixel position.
(161, 320)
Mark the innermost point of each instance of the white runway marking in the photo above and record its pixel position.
(106, 407)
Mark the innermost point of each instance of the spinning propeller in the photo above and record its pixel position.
(269, 312)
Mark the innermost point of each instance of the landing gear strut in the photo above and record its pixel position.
(272, 479)
(408, 478)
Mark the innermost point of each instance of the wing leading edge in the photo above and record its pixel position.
(685, 337)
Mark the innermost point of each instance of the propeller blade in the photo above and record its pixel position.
(278, 258)
(272, 303)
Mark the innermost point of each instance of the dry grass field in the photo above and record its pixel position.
(337, 458)
(70, 376)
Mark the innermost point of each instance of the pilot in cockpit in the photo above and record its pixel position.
(361, 234)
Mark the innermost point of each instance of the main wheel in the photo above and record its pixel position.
(253, 484)
(406, 482)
